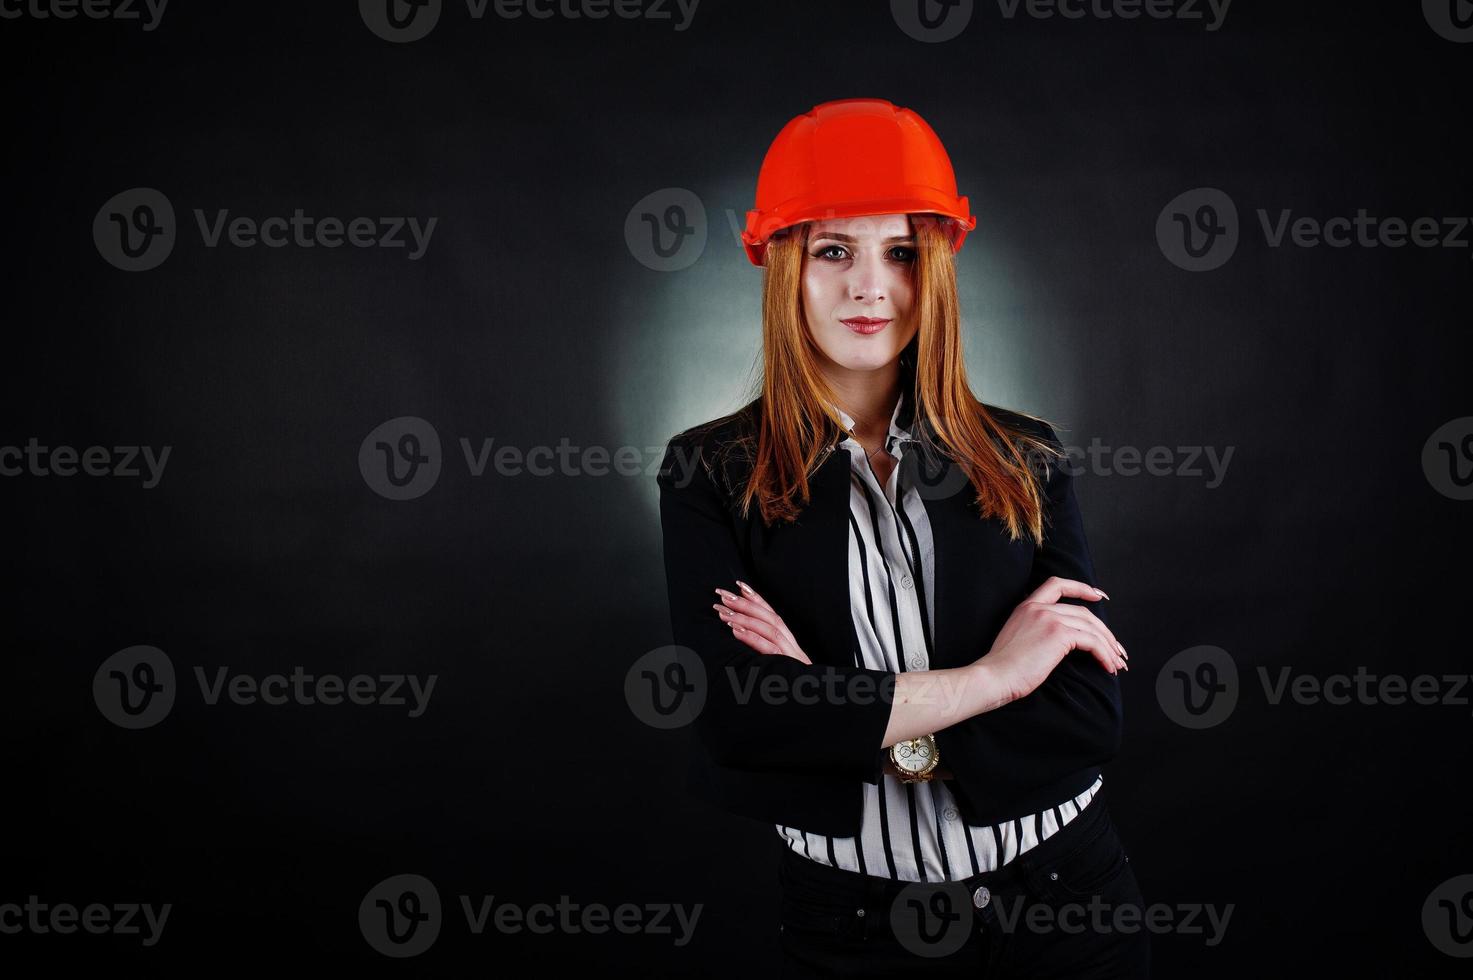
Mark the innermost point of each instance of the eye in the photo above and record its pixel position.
(837, 253)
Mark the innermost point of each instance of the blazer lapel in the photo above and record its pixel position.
(977, 568)
(808, 560)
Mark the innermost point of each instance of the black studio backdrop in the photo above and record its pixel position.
(494, 283)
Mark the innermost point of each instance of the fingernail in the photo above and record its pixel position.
(720, 609)
(740, 629)
(725, 595)
(745, 587)
(1100, 591)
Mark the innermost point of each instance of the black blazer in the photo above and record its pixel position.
(800, 761)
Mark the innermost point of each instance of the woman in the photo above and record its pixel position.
(902, 661)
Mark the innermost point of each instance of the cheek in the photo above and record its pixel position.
(821, 292)
(902, 292)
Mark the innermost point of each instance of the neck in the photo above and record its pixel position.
(869, 397)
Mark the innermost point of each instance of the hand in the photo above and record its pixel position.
(757, 624)
(1041, 631)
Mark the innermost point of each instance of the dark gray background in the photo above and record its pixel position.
(530, 320)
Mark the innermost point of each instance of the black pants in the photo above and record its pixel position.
(1069, 907)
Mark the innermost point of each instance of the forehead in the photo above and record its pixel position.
(864, 226)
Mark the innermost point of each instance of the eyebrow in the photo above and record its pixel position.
(839, 237)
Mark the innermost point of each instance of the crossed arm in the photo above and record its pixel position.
(1038, 667)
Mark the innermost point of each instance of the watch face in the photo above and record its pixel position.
(913, 756)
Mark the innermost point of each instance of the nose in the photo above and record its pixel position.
(867, 282)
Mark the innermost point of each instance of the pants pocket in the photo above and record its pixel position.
(805, 907)
(809, 918)
(1089, 870)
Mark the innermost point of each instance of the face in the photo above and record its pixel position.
(859, 289)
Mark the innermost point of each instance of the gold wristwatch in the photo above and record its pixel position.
(915, 759)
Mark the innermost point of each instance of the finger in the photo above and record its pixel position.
(764, 630)
(1089, 639)
(1054, 588)
(1079, 614)
(759, 643)
(762, 612)
(751, 593)
(1086, 634)
(762, 644)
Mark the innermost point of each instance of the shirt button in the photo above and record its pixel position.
(917, 662)
(981, 897)
(905, 582)
(949, 813)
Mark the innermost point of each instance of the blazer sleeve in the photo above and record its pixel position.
(1073, 720)
(761, 711)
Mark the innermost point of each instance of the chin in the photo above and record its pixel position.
(866, 360)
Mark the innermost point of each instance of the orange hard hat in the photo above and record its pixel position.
(853, 157)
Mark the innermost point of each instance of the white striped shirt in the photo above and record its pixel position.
(909, 832)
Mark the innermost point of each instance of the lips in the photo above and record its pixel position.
(865, 324)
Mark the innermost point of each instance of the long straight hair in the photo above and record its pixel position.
(796, 424)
